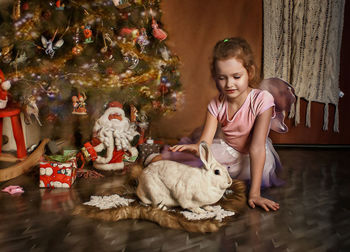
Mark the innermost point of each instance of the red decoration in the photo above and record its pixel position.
(110, 71)
(157, 32)
(87, 33)
(54, 174)
(77, 50)
(58, 3)
(163, 89)
(91, 151)
(13, 113)
(4, 86)
(156, 104)
(25, 6)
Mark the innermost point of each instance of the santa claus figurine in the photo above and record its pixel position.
(4, 86)
(114, 133)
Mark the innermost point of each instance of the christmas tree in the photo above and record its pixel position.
(78, 55)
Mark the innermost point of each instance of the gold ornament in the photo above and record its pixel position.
(16, 11)
(77, 50)
(145, 91)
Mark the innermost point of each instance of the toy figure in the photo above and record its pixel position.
(129, 33)
(79, 105)
(5, 85)
(157, 32)
(59, 5)
(121, 4)
(30, 108)
(114, 133)
(48, 45)
(142, 40)
(87, 34)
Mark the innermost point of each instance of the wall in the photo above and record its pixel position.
(195, 26)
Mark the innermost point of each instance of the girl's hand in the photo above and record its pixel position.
(185, 147)
(263, 203)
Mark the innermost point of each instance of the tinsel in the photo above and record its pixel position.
(126, 65)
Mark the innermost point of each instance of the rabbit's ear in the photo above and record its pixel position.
(205, 154)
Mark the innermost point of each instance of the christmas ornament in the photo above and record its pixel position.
(164, 53)
(145, 91)
(87, 34)
(4, 86)
(121, 4)
(156, 104)
(31, 109)
(79, 105)
(52, 91)
(48, 45)
(133, 113)
(77, 50)
(6, 54)
(131, 59)
(142, 123)
(59, 5)
(163, 88)
(46, 15)
(108, 54)
(25, 6)
(16, 11)
(111, 42)
(20, 59)
(105, 48)
(157, 32)
(142, 40)
(129, 33)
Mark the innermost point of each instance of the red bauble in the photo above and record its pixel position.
(25, 6)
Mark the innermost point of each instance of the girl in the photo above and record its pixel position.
(244, 114)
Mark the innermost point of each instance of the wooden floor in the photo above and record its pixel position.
(314, 215)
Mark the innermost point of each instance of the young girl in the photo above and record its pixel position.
(244, 114)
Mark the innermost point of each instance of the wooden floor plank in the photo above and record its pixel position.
(314, 215)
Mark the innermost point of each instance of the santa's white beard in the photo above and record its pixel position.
(115, 131)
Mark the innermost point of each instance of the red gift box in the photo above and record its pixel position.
(54, 174)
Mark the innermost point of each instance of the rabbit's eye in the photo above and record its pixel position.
(217, 172)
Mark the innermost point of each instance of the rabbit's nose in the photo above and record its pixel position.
(229, 182)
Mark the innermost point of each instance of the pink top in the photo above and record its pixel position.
(237, 131)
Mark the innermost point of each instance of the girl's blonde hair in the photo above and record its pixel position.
(240, 49)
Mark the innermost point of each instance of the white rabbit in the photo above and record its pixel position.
(167, 183)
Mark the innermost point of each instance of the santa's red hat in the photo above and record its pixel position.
(2, 76)
(115, 104)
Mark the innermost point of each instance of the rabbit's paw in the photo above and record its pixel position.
(162, 207)
(197, 210)
(209, 208)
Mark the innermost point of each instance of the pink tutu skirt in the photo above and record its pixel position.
(238, 164)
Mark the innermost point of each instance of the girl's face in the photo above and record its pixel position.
(232, 78)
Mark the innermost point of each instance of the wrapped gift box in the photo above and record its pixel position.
(56, 174)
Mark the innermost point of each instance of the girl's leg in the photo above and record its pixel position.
(235, 161)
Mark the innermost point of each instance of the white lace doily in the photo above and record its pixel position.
(218, 213)
(107, 202)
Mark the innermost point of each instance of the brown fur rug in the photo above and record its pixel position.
(235, 201)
